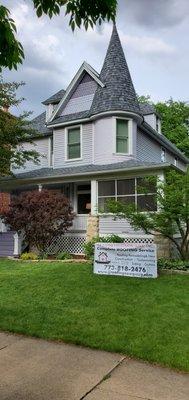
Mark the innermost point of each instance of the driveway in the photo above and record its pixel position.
(35, 369)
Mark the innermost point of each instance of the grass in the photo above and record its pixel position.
(142, 318)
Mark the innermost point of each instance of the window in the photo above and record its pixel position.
(163, 156)
(51, 151)
(175, 161)
(73, 143)
(122, 136)
(140, 192)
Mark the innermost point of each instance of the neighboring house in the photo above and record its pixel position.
(97, 143)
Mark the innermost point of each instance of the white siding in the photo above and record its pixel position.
(147, 148)
(60, 150)
(105, 142)
(42, 147)
(107, 225)
(151, 120)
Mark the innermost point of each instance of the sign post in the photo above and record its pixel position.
(126, 259)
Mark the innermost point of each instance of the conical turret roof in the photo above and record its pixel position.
(119, 93)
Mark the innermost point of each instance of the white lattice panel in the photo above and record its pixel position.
(139, 239)
(70, 244)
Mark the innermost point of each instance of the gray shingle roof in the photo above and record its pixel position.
(119, 92)
(83, 169)
(38, 123)
(55, 98)
(146, 108)
(70, 117)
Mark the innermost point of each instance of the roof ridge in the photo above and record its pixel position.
(119, 92)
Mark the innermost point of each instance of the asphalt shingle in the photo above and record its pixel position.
(118, 93)
(55, 98)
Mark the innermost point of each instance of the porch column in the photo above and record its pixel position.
(92, 218)
(17, 245)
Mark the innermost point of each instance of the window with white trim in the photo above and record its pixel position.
(51, 151)
(73, 143)
(140, 192)
(122, 136)
(163, 155)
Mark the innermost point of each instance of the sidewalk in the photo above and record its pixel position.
(35, 369)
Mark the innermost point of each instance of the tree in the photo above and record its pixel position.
(40, 216)
(13, 131)
(175, 122)
(80, 11)
(172, 215)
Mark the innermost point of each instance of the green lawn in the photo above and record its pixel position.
(143, 318)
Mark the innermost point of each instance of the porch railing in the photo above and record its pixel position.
(79, 223)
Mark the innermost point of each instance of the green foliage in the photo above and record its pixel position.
(173, 264)
(11, 50)
(175, 122)
(40, 216)
(90, 245)
(29, 256)
(63, 256)
(81, 12)
(172, 215)
(13, 131)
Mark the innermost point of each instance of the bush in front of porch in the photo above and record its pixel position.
(40, 216)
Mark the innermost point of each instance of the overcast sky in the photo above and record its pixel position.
(154, 35)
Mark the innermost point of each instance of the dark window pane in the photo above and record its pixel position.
(73, 135)
(147, 203)
(106, 188)
(84, 187)
(121, 136)
(126, 186)
(103, 203)
(83, 203)
(74, 151)
(147, 185)
(127, 200)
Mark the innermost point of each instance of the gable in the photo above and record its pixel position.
(82, 97)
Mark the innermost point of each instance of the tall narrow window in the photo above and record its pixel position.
(51, 151)
(74, 143)
(122, 136)
(163, 155)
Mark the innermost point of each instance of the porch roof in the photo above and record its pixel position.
(83, 170)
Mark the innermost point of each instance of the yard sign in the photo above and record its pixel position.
(126, 259)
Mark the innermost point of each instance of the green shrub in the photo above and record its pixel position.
(90, 245)
(173, 264)
(63, 256)
(29, 256)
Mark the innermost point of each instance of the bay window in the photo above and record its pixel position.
(137, 191)
(73, 143)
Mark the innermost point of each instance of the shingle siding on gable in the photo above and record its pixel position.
(42, 147)
(60, 151)
(82, 98)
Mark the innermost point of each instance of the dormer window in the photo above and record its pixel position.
(74, 143)
(122, 136)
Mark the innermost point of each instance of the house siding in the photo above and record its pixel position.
(42, 147)
(108, 225)
(105, 141)
(7, 244)
(60, 150)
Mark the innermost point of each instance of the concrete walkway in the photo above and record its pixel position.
(32, 369)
